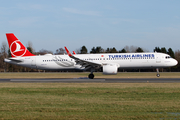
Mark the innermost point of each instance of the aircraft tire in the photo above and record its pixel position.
(91, 76)
(158, 75)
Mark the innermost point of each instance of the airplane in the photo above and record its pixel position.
(110, 62)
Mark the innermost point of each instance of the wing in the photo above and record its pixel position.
(84, 63)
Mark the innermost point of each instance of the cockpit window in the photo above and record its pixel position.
(167, 57)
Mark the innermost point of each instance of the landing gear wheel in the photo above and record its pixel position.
(158, 75)
(91, 76)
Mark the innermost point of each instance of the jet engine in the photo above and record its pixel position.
(110, 69)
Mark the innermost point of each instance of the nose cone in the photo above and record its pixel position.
(174, 62)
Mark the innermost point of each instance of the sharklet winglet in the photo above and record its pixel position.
(69, 54)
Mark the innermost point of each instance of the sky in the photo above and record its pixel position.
(107, 23)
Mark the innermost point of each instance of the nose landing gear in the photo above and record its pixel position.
(158, 75)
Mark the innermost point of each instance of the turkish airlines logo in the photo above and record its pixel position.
(17, 49)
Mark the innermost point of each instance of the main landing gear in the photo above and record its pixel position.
(91, 76)
(158, 75)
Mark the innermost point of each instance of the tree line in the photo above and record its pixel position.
(5, 53)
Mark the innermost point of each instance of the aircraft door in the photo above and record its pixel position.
(103, 59)
(33, 62)
(158, 58)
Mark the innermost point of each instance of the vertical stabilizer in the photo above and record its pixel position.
(17, 49)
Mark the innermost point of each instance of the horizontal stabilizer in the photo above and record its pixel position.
(14, 60)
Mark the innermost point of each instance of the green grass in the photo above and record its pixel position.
(89, 101)
(85, 74)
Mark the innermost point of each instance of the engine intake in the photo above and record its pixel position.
(110, 69)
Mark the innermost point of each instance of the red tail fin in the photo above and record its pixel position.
(16, 47)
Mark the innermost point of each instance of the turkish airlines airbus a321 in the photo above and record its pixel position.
(110, 62)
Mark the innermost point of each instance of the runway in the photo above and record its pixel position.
(86, 80)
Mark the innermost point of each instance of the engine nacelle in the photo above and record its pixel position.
(110, 69)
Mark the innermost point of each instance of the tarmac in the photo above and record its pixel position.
(86, 80)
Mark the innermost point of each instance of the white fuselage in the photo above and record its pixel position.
(122, 60)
